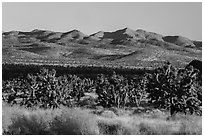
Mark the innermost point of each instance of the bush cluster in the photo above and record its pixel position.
(45, 90)
(118, 91)
(178, 90)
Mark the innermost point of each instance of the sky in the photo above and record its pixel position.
(167, 18)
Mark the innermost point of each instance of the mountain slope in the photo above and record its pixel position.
(124, 47)
(179, 40)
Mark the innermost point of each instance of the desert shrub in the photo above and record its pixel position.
(142, 125)
(157, 114)
(146, 128)
(108, 114)
(117, 91)
(46, 90)
(63, 121)
(159, 126)
(174, 89)
(20, 120)
(190, 128)
(28, 125)
(74, 122)
(7, 113)
(112, 128)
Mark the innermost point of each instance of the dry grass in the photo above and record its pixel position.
(65, 121)
(74, 122)
(153, 125)
(156, 123)
(78, 121)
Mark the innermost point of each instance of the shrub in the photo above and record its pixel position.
(45, 90)
(28, 125)
(157, 129)
(63, 121)
(113, 128)
(174, 89)
(190, 128)
(20, 121)
(27, 122)
(74, 122)
(117, 91)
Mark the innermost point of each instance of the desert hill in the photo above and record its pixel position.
(179, 40)
(124, 47)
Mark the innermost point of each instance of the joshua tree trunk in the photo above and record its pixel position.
(173, 111)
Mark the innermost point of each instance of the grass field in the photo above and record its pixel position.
(80, 121)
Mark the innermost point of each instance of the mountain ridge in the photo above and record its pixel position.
(120, 34)
(121, 47)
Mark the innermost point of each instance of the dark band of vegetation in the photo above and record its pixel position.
(11, 70)
(178, 90)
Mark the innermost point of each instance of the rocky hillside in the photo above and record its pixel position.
(124, 47)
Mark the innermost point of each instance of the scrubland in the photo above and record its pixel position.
(84, 121)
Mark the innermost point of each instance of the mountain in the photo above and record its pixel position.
(149, 35)
(198, 44)
(128, 34)
(99, 34)
(124, 47)
(179, 40)
(74, 34)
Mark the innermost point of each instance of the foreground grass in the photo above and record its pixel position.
(79, 121)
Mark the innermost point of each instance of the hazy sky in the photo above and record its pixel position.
(164, 18)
